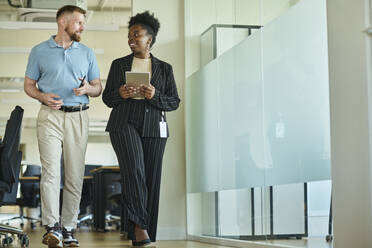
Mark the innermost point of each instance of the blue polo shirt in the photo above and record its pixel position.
(57, 70)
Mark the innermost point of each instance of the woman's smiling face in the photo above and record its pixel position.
(138, 39)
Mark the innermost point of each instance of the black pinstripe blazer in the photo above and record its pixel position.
(165, 98)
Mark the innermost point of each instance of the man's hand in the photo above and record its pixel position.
(84, 89)
(52, 100)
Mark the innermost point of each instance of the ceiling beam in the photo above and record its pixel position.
(101, 4)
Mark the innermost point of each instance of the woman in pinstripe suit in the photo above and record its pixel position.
(138, 129)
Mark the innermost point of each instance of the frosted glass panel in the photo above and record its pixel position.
(207, 46)
(227, 37)
(288, 209)
(240, 117)
(258, 115)
(235, 212)
(202, 125)
(296, 96)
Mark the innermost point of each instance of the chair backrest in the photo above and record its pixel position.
(10, 198)
(87, 192)
(10, 156)
(30, 191)
(32, 170)
(9, 163)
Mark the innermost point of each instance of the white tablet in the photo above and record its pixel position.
(135, 79)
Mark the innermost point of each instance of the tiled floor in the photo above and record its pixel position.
(89, 239)
(304, 243)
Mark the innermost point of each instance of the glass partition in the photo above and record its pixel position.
(257, 120)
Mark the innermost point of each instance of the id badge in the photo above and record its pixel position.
(163, 129)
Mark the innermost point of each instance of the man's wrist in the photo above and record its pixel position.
(92, 91)
(40, 96)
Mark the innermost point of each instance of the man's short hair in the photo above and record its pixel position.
(69, 9)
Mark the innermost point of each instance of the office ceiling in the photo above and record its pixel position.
(109, 4)
(92, 4)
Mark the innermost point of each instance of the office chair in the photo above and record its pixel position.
(10, 162)
(30, 196)
(113, 214)
(86, 203)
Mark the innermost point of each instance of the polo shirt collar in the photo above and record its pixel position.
(53, 43)
(75, 44)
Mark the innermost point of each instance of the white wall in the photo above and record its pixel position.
(28, 137)
(100, 153)
(350, 148)
(169, 47)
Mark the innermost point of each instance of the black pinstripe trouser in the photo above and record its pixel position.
(140, 160)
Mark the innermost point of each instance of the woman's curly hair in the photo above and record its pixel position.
(148, 22)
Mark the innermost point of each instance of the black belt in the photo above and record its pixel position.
(74, 108)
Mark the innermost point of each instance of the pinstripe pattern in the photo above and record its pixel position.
(165, 98)
(140, 161)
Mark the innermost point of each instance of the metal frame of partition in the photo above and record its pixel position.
(271, 235)
(215, 26)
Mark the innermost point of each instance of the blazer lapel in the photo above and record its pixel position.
(155, 68)
(126, 65)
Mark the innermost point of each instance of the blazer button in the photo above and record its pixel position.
(147, 110)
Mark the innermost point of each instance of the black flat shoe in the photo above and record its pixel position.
(144, 242)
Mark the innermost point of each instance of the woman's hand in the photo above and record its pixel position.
(147, 91)
(127, 92)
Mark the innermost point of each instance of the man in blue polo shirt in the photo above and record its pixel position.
(61, 74)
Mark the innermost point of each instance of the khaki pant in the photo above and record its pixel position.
(58, 132)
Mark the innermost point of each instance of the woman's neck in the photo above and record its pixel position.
(142, 55)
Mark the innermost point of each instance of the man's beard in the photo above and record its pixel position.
(73, 36)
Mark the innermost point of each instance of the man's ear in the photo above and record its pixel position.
(63, 20)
